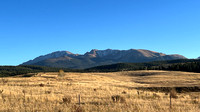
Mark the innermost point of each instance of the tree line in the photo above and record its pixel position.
(172, 65)
(25, 69)
(187, 65)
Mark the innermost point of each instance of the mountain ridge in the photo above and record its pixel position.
(96, 57)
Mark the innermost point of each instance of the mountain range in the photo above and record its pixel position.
(66, 59)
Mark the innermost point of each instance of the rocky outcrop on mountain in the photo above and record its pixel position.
(96, 57)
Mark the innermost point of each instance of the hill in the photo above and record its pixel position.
(66, 59)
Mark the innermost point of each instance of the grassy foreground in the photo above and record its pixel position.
(98, 92)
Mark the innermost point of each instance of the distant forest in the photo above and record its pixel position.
(188, 65)
(20, 70)
(172, 65)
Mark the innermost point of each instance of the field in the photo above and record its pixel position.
(132, 91)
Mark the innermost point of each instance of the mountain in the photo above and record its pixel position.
(96, 57)
(198, 57)
(57, 54)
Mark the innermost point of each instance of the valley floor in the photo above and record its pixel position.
(131, 91)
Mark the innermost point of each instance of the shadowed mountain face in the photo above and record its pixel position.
(96, 57)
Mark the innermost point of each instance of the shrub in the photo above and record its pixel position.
(4, 81)
(1, 91)
(41, 85)
(173, 93)
(124, 92)
(194, 102)
(61, 73)
(78, 109)
(47, 92)
(118, 98)
(156, 95)
(66, 99)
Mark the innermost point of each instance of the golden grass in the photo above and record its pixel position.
(47, 92)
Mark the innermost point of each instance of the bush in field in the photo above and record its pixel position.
(78, 109)
(173, 93)
(118, 98)
(4, 81)
(61, 73)
(67, 99)
(41, 85)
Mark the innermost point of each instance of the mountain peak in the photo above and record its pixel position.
(62, 52)
(56, 54)
(94, 50)
(92, 53)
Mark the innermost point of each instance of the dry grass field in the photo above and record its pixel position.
(99, 92)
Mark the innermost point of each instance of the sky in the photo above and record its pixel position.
(30, 28)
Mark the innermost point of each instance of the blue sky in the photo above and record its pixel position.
(29, 28)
